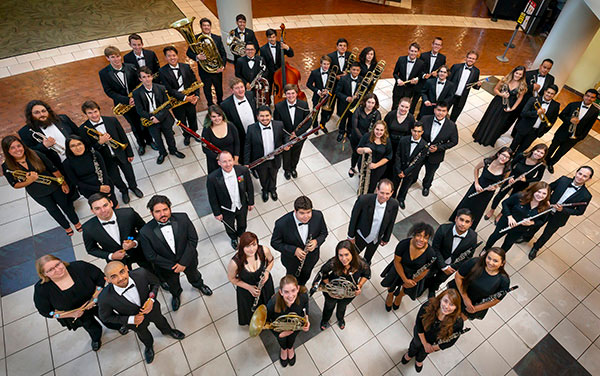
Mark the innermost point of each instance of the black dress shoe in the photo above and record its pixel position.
(123, 330)
(287, 175)
(342, 324)
(265, 196)
(177, 334)
(294, 174)
(175, 303)
(403, 360)
(402, 205)
(178, 154)
(125, 197)
(533, 253)
(255, 174)
(136, 191)
(234, 243)
(292, 361)
(186, 141)
(284, 362)
(164, 285)
(205, 290)
(550, 169)
(324, 129)
(274, 196)
(96, 345)
(418, 368)
(425, 192)
(340, 137)
(160, 159)
(141, 150)
(149, 354)
(153, 146)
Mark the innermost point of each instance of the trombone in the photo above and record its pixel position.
(378, 71)
(351, 59)
(95, 134)
(362, 89)
(329, 85)
(21, 176)
(40, 137)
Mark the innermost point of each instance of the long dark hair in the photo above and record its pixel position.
(362, 57)
(279, 302)
(507, 166)
(240, 258)
(363, 103)
(432, 309)
(213, 109)
(68, 150)
(539, 146)
(479, 267)
(355, 264)
(32, 157)
(34, 124)
(527, 195)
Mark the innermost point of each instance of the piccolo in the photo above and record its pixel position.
(551, 209)
(451, 337)
(495, 185)
(497, 295)
(521, 176)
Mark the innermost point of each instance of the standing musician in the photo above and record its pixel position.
(247, 67)
(378, 145)
(149, 97)
(231, 195)
(271, 52)
(564, 191)
(399, 123)
(118, 81)
(240, 109)
(408, 162)
(222, 134)
(340, 56)
(463, 74)
(451, 241)
(346, 265)
(436, 90)
(367, 60)
(139, 56)
(362, 122)
(115, 157)
(291, 113)
(578, 119)
(345, 90)
(298, 236)
(176, 77)
(169, 242)
(244, 34)
(130, 300)
(432, 60)
(250, 272)
(210, 79)
(317, 82)
(372, 219)
(408, 68)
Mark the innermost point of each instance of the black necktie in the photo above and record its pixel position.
(108, 223)
(242, 32)
(441, 83)
(240, 102)
(167, 223)
(128, 288)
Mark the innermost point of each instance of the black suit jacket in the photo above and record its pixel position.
(158, 252)
(170, 82)
(142, 106)
(442, 245)
(559, 186)
(113, 88)
(282, 114)
(149, 58)
(426, 57)
(219, 43)
(315, 83)
(249, 37)
(343, 90)
(218, 196)
(253, 149)
(230, 108)
(273, 65)
(446, 139)
(584, 126)
(456, 72)
(404, 157)
(400, 69)
(362, 217)
(243, 71)
(66, 127)
(531, 78)
(429, 90)
(116, 132)
(529, 116)
(286, 239)
(334, 60)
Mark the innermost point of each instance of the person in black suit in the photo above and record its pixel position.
(149, 97)
(244, 34)
(210, 79)
(408, 68)
(436, 90)
(176, 77)
(345, 91)
(451, 241)
(564, 190)
(340, 56)
(463, 74)
(169, 243)
(432, 60)
(317, 81)
(410, 156)
(264, 137)
(247, 67)
(372, 219)
(563, 140)
(291, 113)
(298, 235)
(240, 109)
(231, 196)
(115, 159)
(441, 134)
(118, 82)
(140, 57)
(130, 300)
(529, 127)
(271, 52)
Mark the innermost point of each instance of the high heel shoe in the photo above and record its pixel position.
(351, 172)
(69, 231)
(404, 360)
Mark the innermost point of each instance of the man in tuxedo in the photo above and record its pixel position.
(130, 300)
(140, 57)
(583, 115)
(176, 77)
(291, 113)
(118, 82)
(169, 242)
(149, 97)
(210, 79)
(231, 195)
(461, 75)
(346, 90)
(372, 219)
(432, 60)
(530, 126)
(441, 134)
(247, 67)
(565, 190)
(298, 235)
(340, 56)
(264, 137)
(436, 89)
(317, 81)
(240, 109)
(409, 159)
(408, 68)
(271, 52)
(244, 34)
(451, 240)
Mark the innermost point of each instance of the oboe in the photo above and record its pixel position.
(497, 295)
(521, 176)
(451, 337)
(552, 209)
(304, 259)
(424, 267)
(261, 283)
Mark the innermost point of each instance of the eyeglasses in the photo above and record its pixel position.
(54, 268)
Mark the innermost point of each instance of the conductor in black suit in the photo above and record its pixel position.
(210, 79)
(271, 52)
(231, 196)
(243, 33)
(247, 67)
(346, 90)
(461, 75)
(372, 219)
(240, 109)
(139, 56)
(410, 156)
(130, 300)
(407, 68)
(563, 139)
(436, 89)
(317, 81)
(299, 235)
(169, 242)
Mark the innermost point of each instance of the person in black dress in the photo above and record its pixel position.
(250, 268)
(523, 171)
(53, 196)
(289, 298)
(221, 133)
(362, 121)
(400, 276)
(367, 60)
(86, 169)
(480, 278)
(378, 144)
(437, 319)
(493, 169)
(399, 124)
(346, 265)
(64, 287)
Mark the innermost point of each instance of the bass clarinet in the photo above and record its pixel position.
(297, 274)
(451, 337)
(497, 295)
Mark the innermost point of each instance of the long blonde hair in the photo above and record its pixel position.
(39, 266)
(385, 132)
(522, 82)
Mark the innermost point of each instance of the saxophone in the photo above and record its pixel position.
(304, 259)
(121, 108)
(193, 87)
(451, 337)
(167, 103)
(573, 127)
(365, 175)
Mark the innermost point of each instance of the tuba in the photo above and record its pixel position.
(201, 44)
(236, 45)
(283, 323)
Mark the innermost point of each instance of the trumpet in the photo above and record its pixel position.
(377, 75)
(201, 44)
(572, 126)
(193, 87)
(121, 108)
(542, 116)
(40, 137)
(95, 134)
(283, 323)
(148, 122)
(236, 45)
(21, 176)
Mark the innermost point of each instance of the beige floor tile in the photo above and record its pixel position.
(345, 367)
(526, 327)
(170, 361)
(34, 360)
(487, 361)
(249, 365)
(536, 276)
(590, 360)
(304, 365)
(68, 345)
(84, 365)
(119, 355)
(575, 284)
(589, 271)
(489, 324)
(371, 359)
(215, 274)
(509, 345)
(230, 332)
(24, 332)
(191, 316)
(593, 302)
(220, 366)
(374, 314)
(447, 359)
(356, 332)
(135, 370)
(544, 312)
(585, 321)
(464, 368)
(202, 346)
(325, 349)
(570, 338)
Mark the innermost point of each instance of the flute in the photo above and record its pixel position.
(495, 185)
(521, 176)
(552, 209)
(451, 337)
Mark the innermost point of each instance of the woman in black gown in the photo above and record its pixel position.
(362, 122)
(437, 320)
(221, 133)
(367, 60)
(377, 143)
(493, 169)
(245, 270)
(480, 278)
(400, 276)
(399, 123)
(494, 122)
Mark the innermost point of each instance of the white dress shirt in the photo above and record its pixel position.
(140, 59)
(273, 48)
(436, 128)
(292, 110)
(354, 84)
(112, 229)
(455, 242)
(583, 110)
(53, 131)
(302, 229)
(570, 191)
(409, 67)
(324, 77)
(131, 294)
(268, 138)
(377, 220)
(439, 86)
(540, 81)
(413, 145)
(341, 61)
(178, 75)
(167, 232)
(244, 111)
(251, 62)
(432, 60)
(151, 100)
(121, 78)
(100, 127)
(464, 77)
(242, 34)
(538, 122)
(233, 189)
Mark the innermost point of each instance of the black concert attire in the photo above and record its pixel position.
(432, 61)
(317, 81)
(247, 36)
(260, 141)
(364, 68)
(435, 91)
(242, 113)
(446, 138)
(244, 298)
(391, 278)
(299, 307)
(518, 168)
(360, 125)
(147, 59)
(379, 152)
(345, 88)
(531, 77)
(230, 142)
(396, 130)
(272, 55)
(88, 172)
(494, 122)
(211, 79)
(336, 58)
(409, 160)
(289, 233)
(247, 69)
(462, 75)
(529, 127)
(405, 70)
(291, 116)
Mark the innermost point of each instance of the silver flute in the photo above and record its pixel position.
(297, 274)
(521, 176)
(494, 185)
(451, 337)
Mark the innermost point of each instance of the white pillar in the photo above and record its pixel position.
(227, 10)
(573, 31)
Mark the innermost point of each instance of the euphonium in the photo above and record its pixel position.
(21, 175)
(572, 126)
(95, 134)
(202, 44)
(40, 137)
(378, 71)
(365, 175)
(121, 108)
(283, 323)
(236, 45)
(193, 87)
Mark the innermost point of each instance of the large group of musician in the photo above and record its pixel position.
(250, 135)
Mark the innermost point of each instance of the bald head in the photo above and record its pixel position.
(116, 272)
(112, 265)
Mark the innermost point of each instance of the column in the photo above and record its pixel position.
(227, 10)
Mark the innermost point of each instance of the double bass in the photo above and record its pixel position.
(285, 75)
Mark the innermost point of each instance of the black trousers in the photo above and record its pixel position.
(406, 183)
(522, 141)
(430, 169)
(127, 169)
(191, 272)
(166, 130)
(558, 148)
(292, 267)
(53, 202)
(210, 80)
(325, 116)
(329, 306)
(345, 121)
(155, 317)
(457, 106)
(400, 92)
(286, 342)
(511, 235)
(240, 216)
(141, 133)
(370, 248)
(267, 174)
(355, 156)
(112, 167)
(292, 157)
(186, 114)
(551, 227)
(416, 349)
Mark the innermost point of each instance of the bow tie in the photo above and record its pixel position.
(585, 106)
(432, 55)
(341, 57)
(161, 224)
(468, 68)
(129, 288)
(302, 224)
(441, 83)
(118, 70)
(174, 68)
(414, 142)
(325, 73)
(544, 102)
(575, 187)
(410, 61)
(265, 128)
(240, 102)
(354, 79)
(250, 59)
(242, 32)
(149, 91)
(459, 236)
(95, 125)
(108, 223)
(291, 106)
(139, 58)
(437, 121)
(272, 46)
(540, 76)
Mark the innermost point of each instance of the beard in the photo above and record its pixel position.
(44, 123)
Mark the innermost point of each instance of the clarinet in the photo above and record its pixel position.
(97, 169)
(297, 274)
(424, 267)
(497, 295)
(261, 283)
(451, 337)
(466, 254)
(522, 176)
(551, 209)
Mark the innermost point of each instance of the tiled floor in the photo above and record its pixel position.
(558, 298)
